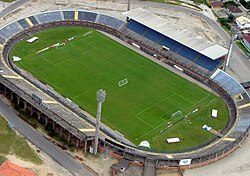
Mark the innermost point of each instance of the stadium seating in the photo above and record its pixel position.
(49, 17)
(153, 38)
(33, 20)
(243, 123)
(86, 16)
(208, 63)
(68, 15)
(153, 35)
(173, 45)
(228, 83)
(137, 27)
(10, 30)
(2, 40)
(23, 23)
(188, 53)
(110, 21)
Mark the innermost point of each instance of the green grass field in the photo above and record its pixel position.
(10, 143)
(139, 109)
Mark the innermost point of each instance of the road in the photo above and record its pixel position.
(43, 144)
(12, 7)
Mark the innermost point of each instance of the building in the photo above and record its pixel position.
(217, 4)
(246, 42)
(10, 169)
(235, 11)
(242, 22)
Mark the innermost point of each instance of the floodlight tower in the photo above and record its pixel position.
(128, 9)
(230, 50)
(229, 54)
(100, 97)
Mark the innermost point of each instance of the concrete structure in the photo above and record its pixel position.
(100, 97)
(242, 22)
(76, 126)
(185, 37)
(246, 42)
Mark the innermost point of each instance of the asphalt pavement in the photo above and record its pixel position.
(12, 7)
(62, 158)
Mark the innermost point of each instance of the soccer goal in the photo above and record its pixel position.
(123, 82)
(175, 118)
(178, 115)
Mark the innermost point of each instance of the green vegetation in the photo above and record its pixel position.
(7, 0)
(2, 159)
(230, 3)
(226, 22)
(32, 120)
(242, 47)
(11, 143)
(245, 4)
(139, 109)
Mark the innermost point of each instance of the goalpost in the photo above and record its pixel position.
(175, 117)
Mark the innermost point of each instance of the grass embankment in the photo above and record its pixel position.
(242, 47)
(11, 143)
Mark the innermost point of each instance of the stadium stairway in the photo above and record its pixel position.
(149, 168)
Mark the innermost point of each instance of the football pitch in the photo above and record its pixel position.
(141, 95)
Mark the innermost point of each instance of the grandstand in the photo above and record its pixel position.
(186, 47)
(86, 16)
(109, 21)
(10, 30)
(49, 17)
(68, 15)
(184, 52)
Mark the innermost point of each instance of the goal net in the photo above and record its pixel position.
(177, 116)
(123, 82)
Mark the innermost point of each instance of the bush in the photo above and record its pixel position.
(245, 4)
(230, 3)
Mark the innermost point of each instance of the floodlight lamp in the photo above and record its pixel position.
(100, 95)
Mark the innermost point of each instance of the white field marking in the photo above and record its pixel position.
(141, 65)
(149, 131)
(123, 82)
(169, 120)
(48, 61)
(197, 102)
(32, 85)
(184, 98)
(154, 104)
(166, 113)
(144, 121)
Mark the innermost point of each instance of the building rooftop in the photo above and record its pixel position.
(234, 9)
(247, 38)
(242, 20)
(177, 33)
(10, 169)
(217, 4)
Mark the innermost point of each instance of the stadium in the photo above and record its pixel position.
(145, 101)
